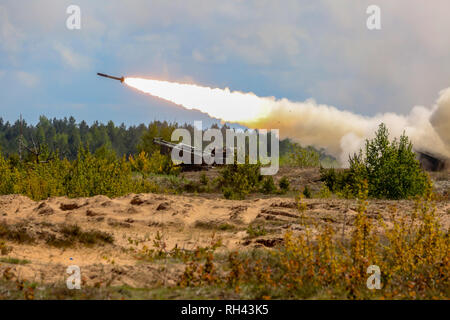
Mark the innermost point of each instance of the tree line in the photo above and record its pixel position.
(66, 136)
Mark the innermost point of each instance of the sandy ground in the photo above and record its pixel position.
(183, 221)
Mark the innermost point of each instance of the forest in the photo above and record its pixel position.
(67, 135)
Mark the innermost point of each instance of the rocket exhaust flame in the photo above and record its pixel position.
(340, 132)
(218, 103)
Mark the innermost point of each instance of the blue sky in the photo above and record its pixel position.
(288, 49)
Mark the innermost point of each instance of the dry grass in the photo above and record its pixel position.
(73, 234)
(412, 255)
(16, 232)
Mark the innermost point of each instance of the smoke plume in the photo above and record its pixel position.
(340, 132)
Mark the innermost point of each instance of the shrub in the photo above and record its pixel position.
(41, 180)
(204, 179)
(238, 180)
(337, 180)
(324, 192)
(390, 168)
(256, 231)
(229, 194)
(88, 175)
(72, 234)
(284, 184)
(98, 174)
(6, 177)
(14, 261)
(4, 248)
(307, 192)
(18, 233)
(411, 252)
(304, 157)
(268, 186)
(192, 186)
(155, 164)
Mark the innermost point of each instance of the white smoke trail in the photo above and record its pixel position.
(340, 132)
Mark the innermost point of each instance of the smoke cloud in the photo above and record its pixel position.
(341, 133)
(441, 117)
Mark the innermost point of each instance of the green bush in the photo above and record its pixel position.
(303, 157)
(155, 164)
(6, 177)
(307, 193)
(341, 182)
(268, 185)
(88, 175)
(97, 174)
(390, 169)
(41, 181)
(284, 184)
(256, 231)
(204, 179)
(238, 180)
(324, 192)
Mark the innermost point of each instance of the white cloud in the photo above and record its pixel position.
(403, 64)
(71, 58)
(319, 48)
(10, 37)
(265, 44)
(26, 78)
